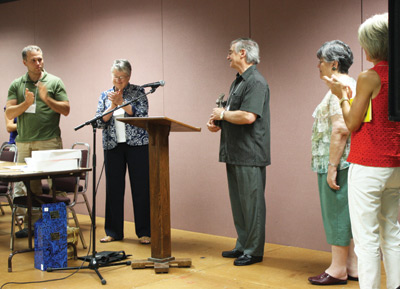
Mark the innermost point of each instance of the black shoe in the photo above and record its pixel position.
(351, 278)
(22, 233)
(232, 253)
(247, 260)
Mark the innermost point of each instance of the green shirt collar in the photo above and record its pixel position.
(248, 71)
(26, 77)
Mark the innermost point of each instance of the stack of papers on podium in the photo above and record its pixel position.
(54, 160)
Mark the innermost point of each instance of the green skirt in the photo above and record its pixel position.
(335, 210)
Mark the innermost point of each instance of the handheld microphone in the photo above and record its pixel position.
(154, 84)
(220, 101)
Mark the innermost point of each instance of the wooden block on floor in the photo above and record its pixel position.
(182, 262)
(142, 264)
(161, 267)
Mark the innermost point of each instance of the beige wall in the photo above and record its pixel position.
(185, 43)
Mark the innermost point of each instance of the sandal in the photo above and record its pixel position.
(107, 239)
(145, 240)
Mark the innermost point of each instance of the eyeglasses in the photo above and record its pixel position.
(122, 78)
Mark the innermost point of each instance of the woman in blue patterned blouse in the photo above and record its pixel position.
(125, 146)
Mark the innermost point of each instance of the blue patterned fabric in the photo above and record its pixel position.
(135, 136)
(51, 237)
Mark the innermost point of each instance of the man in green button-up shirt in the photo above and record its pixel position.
(245, 148)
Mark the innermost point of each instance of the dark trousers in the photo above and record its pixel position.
(116, 161)
(246, 192)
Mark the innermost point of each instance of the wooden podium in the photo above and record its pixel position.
(159, 129)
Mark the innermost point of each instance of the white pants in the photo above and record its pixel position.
(374, 195)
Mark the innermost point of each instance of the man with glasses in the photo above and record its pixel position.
(37, 99)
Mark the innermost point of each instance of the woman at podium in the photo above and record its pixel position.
(125, 146)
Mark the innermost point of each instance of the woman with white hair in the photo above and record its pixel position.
(125, 147)
(374, 174)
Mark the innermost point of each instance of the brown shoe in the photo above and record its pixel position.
(326, 279)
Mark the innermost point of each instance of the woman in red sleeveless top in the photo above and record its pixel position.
(374, 174)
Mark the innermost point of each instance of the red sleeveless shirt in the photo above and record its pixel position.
(377, 143)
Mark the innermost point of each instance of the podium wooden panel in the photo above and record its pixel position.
(159, 129)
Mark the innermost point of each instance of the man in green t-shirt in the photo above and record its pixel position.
(245, 148)
(37, 99)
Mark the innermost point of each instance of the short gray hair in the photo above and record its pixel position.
(339, 51)
(30, 48)
(122, 65)
(373, 36)
(251, 48)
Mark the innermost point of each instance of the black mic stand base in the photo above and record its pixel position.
(94, 264)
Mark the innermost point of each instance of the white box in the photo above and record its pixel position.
(54, 160)
(57, 154)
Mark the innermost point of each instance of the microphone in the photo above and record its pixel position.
(154, 84)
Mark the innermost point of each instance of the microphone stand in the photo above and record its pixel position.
(95, 258)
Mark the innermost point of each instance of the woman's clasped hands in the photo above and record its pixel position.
(116, 97)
